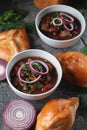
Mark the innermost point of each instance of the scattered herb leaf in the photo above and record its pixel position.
(84, 50)
(82, 10)
(81, 93)
(30, 27)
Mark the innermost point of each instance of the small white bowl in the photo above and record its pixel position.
(37, 53)
(63, 8)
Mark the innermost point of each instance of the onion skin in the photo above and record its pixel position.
(19, 115)
(3, 65)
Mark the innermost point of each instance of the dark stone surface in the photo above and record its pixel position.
(4, 5)
(64, 90)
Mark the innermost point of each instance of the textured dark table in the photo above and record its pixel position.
(64, 90)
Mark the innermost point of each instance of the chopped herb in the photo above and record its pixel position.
(32, 74)
(59, 28)
(25, 87)
(37, 66)
(38, 85)
(55, 14)
(26, 68)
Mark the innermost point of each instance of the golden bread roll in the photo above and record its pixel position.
(44, 3)
(74, 65)
(12, 42)
(57, 114)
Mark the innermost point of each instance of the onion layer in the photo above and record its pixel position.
(57, 21)
(19, 115)
(3, 65)
(67, 18)
(24, 81)
(69, 26)
(43, 65)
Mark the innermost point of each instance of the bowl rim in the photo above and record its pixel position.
(65, 6)
(33, 95)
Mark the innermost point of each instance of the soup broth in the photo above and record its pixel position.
(25, 79)
(60, 26)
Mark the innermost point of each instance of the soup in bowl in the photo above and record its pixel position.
(60, 25)
(33, 74)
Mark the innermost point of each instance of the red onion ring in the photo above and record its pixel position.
(37, 72)
(68, 18)
(19, 115)
(24, 81)
(59, 23)
(67, 28)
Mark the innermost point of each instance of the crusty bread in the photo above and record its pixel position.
(12, 42)
(44, 3)
(57, 114)
(74, 65)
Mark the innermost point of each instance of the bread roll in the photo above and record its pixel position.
(44, 3)
(74, 65)
(12, 42)
(57, 114)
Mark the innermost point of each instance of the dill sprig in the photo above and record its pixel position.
(13, 19)
(12, 15)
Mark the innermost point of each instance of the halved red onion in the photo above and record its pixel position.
(69, 26)
(3, 65)
(24, 81)
(39, 72)
(67, 18)
(19, 115)
(57, 21)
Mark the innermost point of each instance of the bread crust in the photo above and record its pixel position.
(74, 65)
(44, 3)
(57, 114)
(12, 42)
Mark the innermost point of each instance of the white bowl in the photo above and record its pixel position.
(63, 8)
(34, 52)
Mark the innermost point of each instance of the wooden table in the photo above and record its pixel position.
(63, 91)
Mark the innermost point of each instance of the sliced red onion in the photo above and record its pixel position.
(69, 26)
(3, 65)
(38, 72)
(19, 115)
(67, 18)
(57, 21)
(24, 81)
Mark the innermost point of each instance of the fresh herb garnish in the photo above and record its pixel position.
(55, 14)
(12, 15)
(25, 87)
(26, 68)
(13, 19)
(37, 67)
